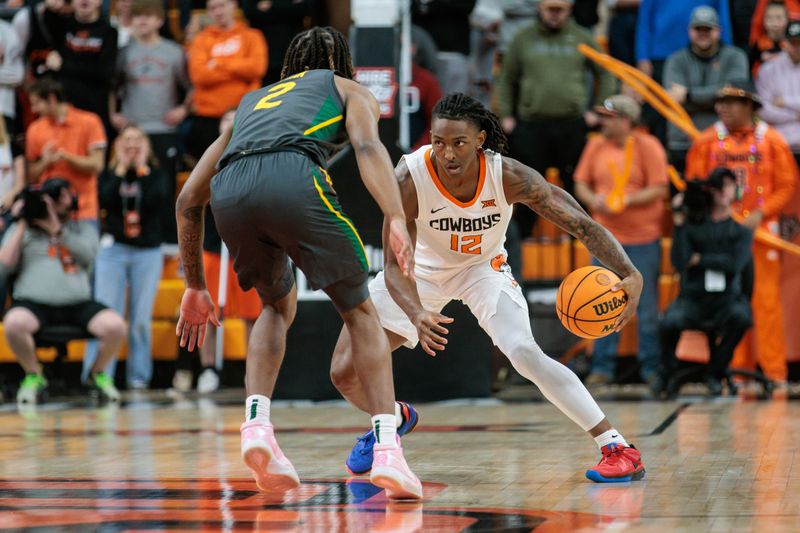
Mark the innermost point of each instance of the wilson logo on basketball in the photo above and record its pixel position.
(604, 308)
(489, 203)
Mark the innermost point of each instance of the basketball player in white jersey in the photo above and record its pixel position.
(458, 195)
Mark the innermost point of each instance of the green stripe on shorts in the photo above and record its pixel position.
(343, 222)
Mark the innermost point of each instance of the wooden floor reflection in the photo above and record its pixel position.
(155, 464)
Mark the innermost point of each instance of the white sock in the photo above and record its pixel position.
(257, 408)
(398, 414)
(610, 436)
(385, 428)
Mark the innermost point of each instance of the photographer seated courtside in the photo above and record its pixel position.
(51, 255)
(712, 254)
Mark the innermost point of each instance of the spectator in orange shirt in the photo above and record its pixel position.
(226, 60)
(767, 174)
(622, 178)
(65, 142)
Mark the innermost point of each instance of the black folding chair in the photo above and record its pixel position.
(58, 337)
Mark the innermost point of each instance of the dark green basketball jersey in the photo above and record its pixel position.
(302, 112)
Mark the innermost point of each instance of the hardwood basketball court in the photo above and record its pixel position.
(159, 464)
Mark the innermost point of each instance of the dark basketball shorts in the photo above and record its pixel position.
(77, 315)
(273, 206)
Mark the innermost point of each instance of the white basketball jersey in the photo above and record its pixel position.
(453, 234)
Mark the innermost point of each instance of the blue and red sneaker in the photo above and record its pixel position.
(619, 464)
(360, 460)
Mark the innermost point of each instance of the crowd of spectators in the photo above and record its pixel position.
(153, 79)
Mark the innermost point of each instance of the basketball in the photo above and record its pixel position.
(585, 303)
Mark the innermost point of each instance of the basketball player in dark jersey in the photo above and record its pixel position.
(273, 199)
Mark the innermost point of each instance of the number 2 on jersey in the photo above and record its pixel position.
(276, 91)
(466, 244)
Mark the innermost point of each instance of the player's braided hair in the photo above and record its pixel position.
(459, 106)
(318, 48)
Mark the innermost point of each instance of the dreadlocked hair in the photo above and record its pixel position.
(318, 48)
(459, 106)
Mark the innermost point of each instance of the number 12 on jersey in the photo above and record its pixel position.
(466, 244)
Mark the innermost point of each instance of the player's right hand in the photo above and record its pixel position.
(632, 286)
(400, 242)
(430, 331)
(197, 308)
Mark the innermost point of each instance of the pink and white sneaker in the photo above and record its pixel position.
(260, 451)
(390, 472)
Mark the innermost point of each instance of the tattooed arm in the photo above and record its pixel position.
(524, 185)
(197, 307)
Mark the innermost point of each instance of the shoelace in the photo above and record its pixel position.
(612, 455)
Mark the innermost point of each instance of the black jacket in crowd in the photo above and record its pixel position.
(149, 202)
(724, 246)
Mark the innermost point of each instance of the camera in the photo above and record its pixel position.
(34, 207)
(698, 199)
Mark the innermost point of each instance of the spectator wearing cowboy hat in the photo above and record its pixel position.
(767, 174)
(622, 178)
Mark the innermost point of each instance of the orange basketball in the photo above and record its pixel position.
(585, 304)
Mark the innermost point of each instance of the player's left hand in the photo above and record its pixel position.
(430, 331)
(632, 285)
(400, 242)
(197, 308)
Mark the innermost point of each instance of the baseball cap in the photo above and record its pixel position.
(619, 104)
(793, 29)
(704, 17)
(716, 179)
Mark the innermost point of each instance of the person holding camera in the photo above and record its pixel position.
(133, 194)
(711, 252)
(51, 256)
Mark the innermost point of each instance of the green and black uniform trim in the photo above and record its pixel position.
(324, 187)
(326, 123)
(273, 198)
(304, 113)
